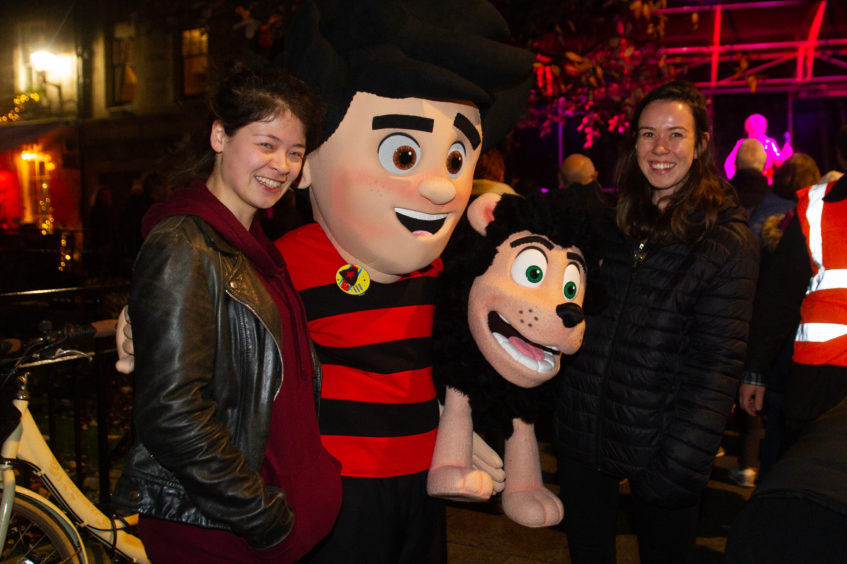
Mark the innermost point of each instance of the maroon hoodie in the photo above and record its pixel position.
(295, 459)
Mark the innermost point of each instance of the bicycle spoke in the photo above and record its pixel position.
(27, 543)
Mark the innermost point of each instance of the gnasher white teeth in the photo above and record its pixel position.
(543, 366)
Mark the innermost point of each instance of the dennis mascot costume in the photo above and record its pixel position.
(415, 90)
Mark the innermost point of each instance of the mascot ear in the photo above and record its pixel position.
(305, 176)
(481, 211)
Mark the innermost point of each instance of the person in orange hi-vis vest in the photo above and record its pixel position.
(805, 288)
(798, 512)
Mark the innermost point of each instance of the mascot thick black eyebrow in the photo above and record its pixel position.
(509, 305)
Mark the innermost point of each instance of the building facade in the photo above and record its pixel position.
(94, 95)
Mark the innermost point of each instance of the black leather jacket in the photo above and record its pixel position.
(208, 366)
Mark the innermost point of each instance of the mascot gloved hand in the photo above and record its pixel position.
(510, 305)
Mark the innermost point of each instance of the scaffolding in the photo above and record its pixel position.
(791, 46)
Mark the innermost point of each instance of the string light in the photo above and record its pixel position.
(21, 104)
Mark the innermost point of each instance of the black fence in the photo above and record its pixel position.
(21, 312)
(82, 406)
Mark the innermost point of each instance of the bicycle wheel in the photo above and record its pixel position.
(36, 536)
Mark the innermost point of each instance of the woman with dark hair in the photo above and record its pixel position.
(227, 463)
(647, 396)
(799, 171)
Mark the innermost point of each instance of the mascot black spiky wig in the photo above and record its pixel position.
(438, 49)
(510, 305)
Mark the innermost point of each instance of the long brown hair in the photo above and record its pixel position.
(702, 189)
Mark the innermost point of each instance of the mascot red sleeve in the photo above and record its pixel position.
(510, 306)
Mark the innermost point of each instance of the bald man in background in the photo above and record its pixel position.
(749, 180)
(577, 172)
(577, 168)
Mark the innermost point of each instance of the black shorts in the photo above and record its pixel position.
(385, 521)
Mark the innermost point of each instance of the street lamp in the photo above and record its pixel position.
(43, 61)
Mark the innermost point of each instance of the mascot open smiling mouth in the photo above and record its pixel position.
(420, 223)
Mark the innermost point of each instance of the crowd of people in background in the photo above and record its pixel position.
(797, 374)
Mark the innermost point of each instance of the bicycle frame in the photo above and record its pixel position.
(27, 444)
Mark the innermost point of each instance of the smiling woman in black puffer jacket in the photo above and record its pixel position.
(648, 395)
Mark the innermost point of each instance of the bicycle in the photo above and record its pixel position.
(32, 527)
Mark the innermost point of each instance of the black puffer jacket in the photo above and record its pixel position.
(648, 394)
(207, 333)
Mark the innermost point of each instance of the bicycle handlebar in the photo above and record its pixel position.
(69, 334)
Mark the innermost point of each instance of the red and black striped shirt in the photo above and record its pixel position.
(378, 411)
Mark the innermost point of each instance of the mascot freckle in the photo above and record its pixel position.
(510, 304)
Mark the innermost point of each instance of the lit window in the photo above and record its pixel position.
(195, 56)
(123, 79)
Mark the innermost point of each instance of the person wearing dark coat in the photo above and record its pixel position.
(785, 277)
(751, 185)
(577, 174)
(798, 513)
(749, 181)
(648, 396)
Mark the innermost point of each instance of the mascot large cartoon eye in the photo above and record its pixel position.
(455, 159)
(572, 280)
(529, 267)
(398, 153)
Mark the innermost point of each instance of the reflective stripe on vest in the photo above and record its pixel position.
(824, 310)
(819, 332)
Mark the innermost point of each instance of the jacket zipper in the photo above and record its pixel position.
(638, 256)
(252, 310)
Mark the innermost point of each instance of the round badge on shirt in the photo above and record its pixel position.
(352, 279)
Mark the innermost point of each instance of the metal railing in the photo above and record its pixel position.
(69, 385)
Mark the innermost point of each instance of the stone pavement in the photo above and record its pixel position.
(480, 534)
